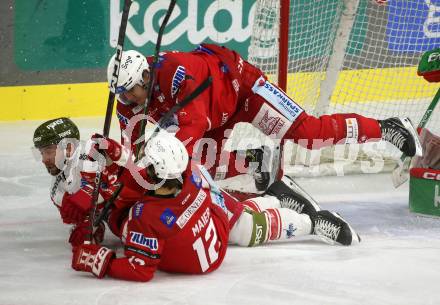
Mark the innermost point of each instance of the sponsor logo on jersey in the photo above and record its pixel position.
(137, 210)
(122, 118)
(141, 240)
(142, 252)
(240, 65)
(191, 209)
(196, 180)
(236, 85)
(168, 218)
(277, 98)
(271, 122)
(352, 131)
(186, 199)
(290, 231)
(177, 80)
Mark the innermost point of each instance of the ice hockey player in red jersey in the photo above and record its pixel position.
(240, 92)
(57, 142)
(185, 222)
(175, 227)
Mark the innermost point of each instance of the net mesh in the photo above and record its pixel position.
(352, 56)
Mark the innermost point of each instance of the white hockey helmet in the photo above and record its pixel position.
(132, 66)
(167, 154)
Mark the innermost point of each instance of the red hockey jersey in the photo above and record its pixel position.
(178, 74)
(187, 233)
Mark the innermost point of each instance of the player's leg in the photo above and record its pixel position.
(277, 115)
(222, 163)
(292, 215)
(317, 132)
(254, 228)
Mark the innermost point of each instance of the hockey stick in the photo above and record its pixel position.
(151, 79)
(204, 85)
(400, 172)
(107, 206)
(108, 114)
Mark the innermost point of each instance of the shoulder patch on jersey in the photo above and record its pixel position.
(168, 218)
(141, 240)
(196, 180)
(177, 80)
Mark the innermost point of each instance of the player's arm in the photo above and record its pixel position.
(142, 253)
(178, 82)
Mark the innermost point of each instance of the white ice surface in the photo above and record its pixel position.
(398, 261)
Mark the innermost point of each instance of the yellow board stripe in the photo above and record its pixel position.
(90, 99)
(364, 85)
(51, 101)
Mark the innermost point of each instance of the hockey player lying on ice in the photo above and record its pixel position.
(184, 222)
(57, 142)
(239, 92)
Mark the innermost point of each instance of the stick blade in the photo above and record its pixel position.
(400, 173)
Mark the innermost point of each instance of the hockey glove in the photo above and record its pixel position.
(75, 207)
(92, 258)
(115, 151)
(81, 232)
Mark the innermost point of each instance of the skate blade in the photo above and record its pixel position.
(296, 188)
(407, 123)
(276, 160)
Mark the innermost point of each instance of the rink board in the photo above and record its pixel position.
(41, 102)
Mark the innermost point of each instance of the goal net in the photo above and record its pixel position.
(348, 56)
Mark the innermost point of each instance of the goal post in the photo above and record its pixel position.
(357, 56)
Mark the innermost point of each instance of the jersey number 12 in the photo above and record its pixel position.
(199, 247)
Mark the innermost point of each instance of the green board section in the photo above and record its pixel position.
(75, 34)
(424, 196)
(52, 35)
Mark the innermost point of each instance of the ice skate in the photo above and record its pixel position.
(261, 174)
(332, 228)
(291, 199)
(401, 133)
